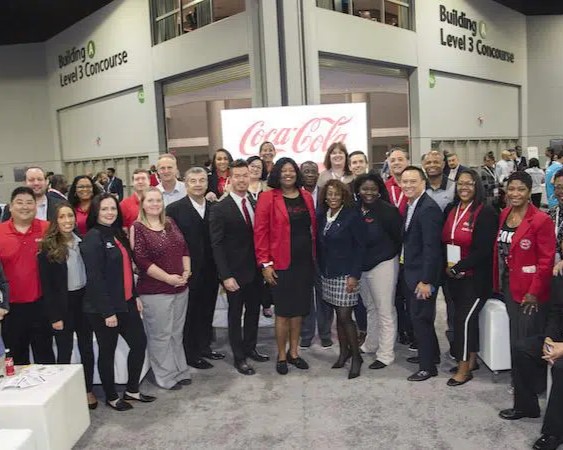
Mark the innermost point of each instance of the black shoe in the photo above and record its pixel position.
(120, 405)
(327, 343)
(422, 375)
(142, 398)
(377, 364)
(413, 347)
(515, 414)
(355, 367)
(454, 368)
(213, 355)
(404, 338)
(185, 382)
(176, 387)
(298, 362)
(281, 367)
(258, 357)
(548, 442)
(92, 406)
(200, 363)
(342, 359)
(416, 360)
(244, 368)
(454, 382)
(267, 312)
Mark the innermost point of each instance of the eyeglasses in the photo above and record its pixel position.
(84, 187)
(466, 184)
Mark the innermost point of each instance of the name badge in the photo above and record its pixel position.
(529, 269)
(495, 192)
(454, 254)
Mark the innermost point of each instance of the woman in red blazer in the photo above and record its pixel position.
(284, 241)
(523, 259)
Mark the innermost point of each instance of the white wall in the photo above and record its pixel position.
(25, 129)
(506, 30)
(545, 78)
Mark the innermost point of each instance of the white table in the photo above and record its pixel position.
(56, 411)
(17, 440)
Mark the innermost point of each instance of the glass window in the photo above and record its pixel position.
(391, 12)
(175, 17)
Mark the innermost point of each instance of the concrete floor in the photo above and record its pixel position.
(317, 409)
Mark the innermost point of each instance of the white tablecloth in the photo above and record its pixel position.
(56, 411)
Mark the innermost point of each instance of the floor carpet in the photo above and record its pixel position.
(317, 409)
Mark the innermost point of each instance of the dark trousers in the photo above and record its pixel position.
(423, 314)
(27, 324)
(467, 307)
(248, 296)
(320, 316)
(130, 327)
(361, 315)
(523, 325)
(536, 200)
(450, 314)
(75, 321)
(266, 296)
(198, 329)
(529, 378)
(404, 324)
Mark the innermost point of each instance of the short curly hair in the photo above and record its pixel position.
(274, 180)
(341, 188)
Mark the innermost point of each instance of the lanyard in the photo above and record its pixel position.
(491, 173)
(456, 220)
(394, 195)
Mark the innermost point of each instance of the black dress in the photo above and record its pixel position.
(294, 289)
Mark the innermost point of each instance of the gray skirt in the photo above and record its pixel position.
(334, 292)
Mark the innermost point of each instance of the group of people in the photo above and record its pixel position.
(312, 243)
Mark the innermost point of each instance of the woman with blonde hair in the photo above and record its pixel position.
(162, 257)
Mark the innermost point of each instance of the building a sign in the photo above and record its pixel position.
(303, 133)
(469, 35)
(78, 63)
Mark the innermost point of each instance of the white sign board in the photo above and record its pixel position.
(533, 152)
(303, 133)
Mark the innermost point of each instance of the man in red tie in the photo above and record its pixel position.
(231, 231)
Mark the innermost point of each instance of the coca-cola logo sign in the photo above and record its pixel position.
(300, 132)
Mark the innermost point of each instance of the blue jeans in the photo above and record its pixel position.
(321, 314)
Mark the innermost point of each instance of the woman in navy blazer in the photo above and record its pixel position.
(340, 244)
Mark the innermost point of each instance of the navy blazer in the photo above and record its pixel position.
(340, 251)
(423, 244)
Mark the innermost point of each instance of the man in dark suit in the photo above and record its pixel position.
(520, 162)
(529, 374)
(58, 188)
(232, 239)
(455, 168)
(191, 214)
(114, 185)
(36, 180)
(422, 256)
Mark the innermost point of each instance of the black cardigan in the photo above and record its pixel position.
(54, 284)
(480, 257)
(105, 290)
(384, 233)
(4, 289)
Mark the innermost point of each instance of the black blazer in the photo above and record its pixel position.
(116, 187)
(232, 241)
(54, 284)
(196, 233)
(340, 251)
(52, 203)
(554, 328)
(212, 182)
(423, 244)
(105, 291)
(480, 257)
(56, 196)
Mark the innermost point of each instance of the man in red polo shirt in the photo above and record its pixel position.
(27, 322)
(398, 160)
(130, 206)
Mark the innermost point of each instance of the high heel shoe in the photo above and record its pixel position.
(342, 358)
(355, 367)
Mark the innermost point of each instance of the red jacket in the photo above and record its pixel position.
(272, 232)
(396, 196)
(531, 257)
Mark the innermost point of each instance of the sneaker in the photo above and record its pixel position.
(305, 344)
(326, 343)
(413, 347)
